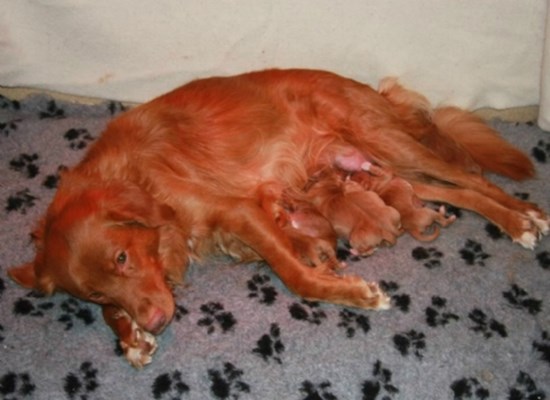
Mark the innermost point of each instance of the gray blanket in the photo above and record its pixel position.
(470, 316)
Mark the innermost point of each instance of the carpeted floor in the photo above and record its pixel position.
(470, 319)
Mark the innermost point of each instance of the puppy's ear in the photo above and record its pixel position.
(130, 204)
(26, 276)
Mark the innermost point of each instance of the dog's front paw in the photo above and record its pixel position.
(139, 350)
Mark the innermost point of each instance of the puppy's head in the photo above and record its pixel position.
(101, 244)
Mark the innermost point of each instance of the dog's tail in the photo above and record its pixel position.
(484, 145)
(456, 135)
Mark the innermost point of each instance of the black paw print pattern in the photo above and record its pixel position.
(169, 386)
(307, 311)
(493, 231)
(469, 388)
(411, 342)
(214, 313)
(400, 300)
(319, 391)
(78, 138)
(380, 384)
(525, 388)
(116, 107)
(430, 257)
(270, 346)
(7, 104)
(543, 347)
(541, 152)
(488, 327)
(21, 202)
(259, 288)
(1, 333)
(26, 163)
(472, 253)
(352, 322)
(2, 287)
(519, 298)
(227, 383)
(15, 386)
(181, 311)
(75, 309)
(543, 258)
(436, 314)
(52, 111)
(33, 305)
(52, 180)
(79, 384)
(8, 127)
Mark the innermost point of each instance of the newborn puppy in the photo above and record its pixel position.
(419, 221)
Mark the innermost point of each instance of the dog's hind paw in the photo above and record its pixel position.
(140, 351)
(541, 221)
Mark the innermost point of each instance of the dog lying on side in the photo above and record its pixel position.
(272, 165)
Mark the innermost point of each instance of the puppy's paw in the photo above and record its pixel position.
(139, 350)
(541, 221)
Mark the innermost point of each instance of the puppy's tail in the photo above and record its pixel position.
(484, 145)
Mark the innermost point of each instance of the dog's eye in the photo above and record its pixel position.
(96, 296)
(121, 258)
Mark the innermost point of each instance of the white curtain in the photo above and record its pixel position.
(544, 111)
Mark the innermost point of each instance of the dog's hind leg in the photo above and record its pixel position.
(521, 227)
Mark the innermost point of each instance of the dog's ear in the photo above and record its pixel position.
(26, 276)
(130, 204)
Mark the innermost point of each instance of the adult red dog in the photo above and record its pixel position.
(271, 165)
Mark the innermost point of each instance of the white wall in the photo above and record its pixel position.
(473, 53)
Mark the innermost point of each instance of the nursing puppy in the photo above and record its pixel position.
(185, 175)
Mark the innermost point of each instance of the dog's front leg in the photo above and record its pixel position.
(138, 345)
(247, 221)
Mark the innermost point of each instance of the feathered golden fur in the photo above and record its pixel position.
(270, 165)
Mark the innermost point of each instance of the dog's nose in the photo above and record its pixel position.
(157, 322)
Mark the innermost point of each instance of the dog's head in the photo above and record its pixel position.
(103, 244)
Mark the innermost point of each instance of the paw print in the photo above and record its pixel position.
(7, 104)
(307, 311)
(259, 288)
(484, 325)
(543, 347)
(22, 201)
(50, 182)
(525, 388)
(469, 388)
(116, 107)
(270, 346)
(8, 127)
(473, 254)
(1, 333)
(380, 384)
(317, 391)
(80, 384)
(352, 322)
(226, 383)
(411, 341)
(214, 313)
(52, 111)
(2, 287)
(73, 308)
(29, 306)
(78, 138)
(436, 315)
(493, 231)
(431, 256)
(14, 386)
(401, 301)
(518, 298)
(543, 258)
(169, 386)
(541, 151)
(181, 311)
(26, 163)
